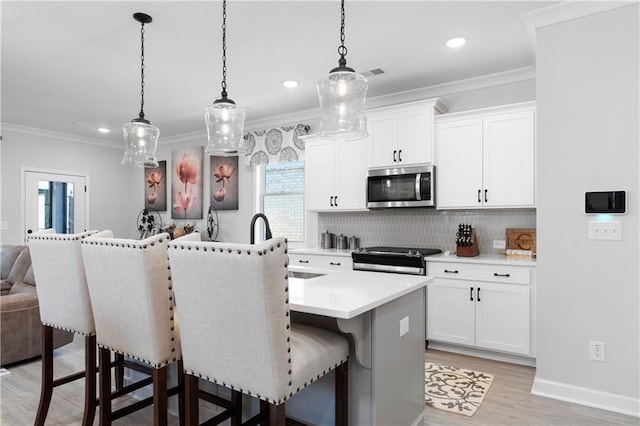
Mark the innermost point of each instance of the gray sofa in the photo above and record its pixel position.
(20, 326)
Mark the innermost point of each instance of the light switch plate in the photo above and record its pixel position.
(605, 230)
(404, 326)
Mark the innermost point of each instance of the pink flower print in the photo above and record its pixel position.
(187, 169)
(219, 194)
(185, 200)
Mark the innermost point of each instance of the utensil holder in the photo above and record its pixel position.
(471, 251)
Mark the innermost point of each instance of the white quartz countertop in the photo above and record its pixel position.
(489, 259)
(350, 293)
(323, 252)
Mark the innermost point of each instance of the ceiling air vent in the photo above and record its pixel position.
(371, 73)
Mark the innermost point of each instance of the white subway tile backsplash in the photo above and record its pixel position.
(423, 228)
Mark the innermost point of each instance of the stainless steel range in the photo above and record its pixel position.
(403, 260)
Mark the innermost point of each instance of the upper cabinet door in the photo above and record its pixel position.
(351, 175)
(415, 137)
(319, 175)
(383, 134)
(459, 164)
(509, 152)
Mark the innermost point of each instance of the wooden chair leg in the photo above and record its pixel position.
(181, 392)
(160, 396)
(89, 380)
(119, 371)
(264, 412)
(342, 394)
(236, 403)
(46, 389)
(192, 412)
(105, 386)
(277, 415)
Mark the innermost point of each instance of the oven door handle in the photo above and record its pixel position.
(418, 178)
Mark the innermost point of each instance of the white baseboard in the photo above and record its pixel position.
(586, 396)
(481, 353)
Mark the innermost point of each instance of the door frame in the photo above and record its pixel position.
(23, 200)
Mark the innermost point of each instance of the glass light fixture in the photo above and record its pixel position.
(342, 95)
(140, 137)
(225, 119)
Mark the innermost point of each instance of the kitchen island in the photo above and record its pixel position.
(383, 315)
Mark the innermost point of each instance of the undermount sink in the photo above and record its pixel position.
(303, 275)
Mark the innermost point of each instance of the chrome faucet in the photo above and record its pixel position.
(253, 228)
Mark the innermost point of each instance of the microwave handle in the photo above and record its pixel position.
(418, 178)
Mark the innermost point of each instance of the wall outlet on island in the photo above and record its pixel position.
(499, 244)
(597, 351)
(404, 326)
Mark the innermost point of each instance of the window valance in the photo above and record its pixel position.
(276, 145)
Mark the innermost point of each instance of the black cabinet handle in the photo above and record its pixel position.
(471, 293)
(495, 274)
(485, 196)
(479, 200)
(400, 155)
(478, 294)
(335, 201)
(331, 201)
(394, 155)
(335, 263)
(450, 272)
(303, 261)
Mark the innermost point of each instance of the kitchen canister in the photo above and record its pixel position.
(327, 240)
(342, 242)
(354, 243)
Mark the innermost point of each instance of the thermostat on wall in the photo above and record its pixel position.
(612, 202)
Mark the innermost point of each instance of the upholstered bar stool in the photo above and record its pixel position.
(64, 303)
(236, 329)
(131, 292)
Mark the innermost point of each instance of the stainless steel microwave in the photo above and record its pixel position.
(401, 187)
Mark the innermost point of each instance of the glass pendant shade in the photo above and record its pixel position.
(225, 128)
(342, 95)
(140, 144)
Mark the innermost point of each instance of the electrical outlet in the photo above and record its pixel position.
(404, 326)
(605, 230)
(597, 351)
(499, 244)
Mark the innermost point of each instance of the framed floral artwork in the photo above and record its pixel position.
(224, 182)
(186, 183)
(155, 187)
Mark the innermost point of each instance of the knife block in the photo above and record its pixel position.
(469, 251)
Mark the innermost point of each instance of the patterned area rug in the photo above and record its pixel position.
(453, 389)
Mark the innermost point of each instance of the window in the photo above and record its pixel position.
(283, 201)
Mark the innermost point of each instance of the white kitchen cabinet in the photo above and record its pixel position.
(319, 263)
(484, 306)
(486, 159)
(335, 175)
(402, 135)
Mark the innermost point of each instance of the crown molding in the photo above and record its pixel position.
(490, 80)
(570, 10)
(58, 135)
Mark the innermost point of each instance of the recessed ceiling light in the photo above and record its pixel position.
(290, 84)
(456, 42)
(103, 130)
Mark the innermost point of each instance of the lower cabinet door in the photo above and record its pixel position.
(451, 311)
(503, 317)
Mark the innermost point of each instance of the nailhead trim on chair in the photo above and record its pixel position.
(69, 329)
(170, 288)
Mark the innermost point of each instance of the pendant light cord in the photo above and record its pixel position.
(142, 70)
(224, 49)
(342, 50)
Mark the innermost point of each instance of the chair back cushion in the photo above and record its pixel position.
(62, 286)
(130, 286)
(232, 302)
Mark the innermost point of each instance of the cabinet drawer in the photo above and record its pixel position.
(476, 272)
(320, 263)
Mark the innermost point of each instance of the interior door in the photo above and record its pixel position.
(55, 200)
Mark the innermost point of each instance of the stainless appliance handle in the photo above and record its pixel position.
(418, 177)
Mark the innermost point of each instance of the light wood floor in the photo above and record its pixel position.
(508, 402)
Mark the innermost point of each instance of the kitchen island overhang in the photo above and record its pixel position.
(384, 315)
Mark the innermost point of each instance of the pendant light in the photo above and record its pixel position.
(342, 95)
(225, 119)
(140, 137)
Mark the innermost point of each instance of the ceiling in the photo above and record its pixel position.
(71, 67)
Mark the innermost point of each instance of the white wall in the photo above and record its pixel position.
(587, 94)
(112, 203)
